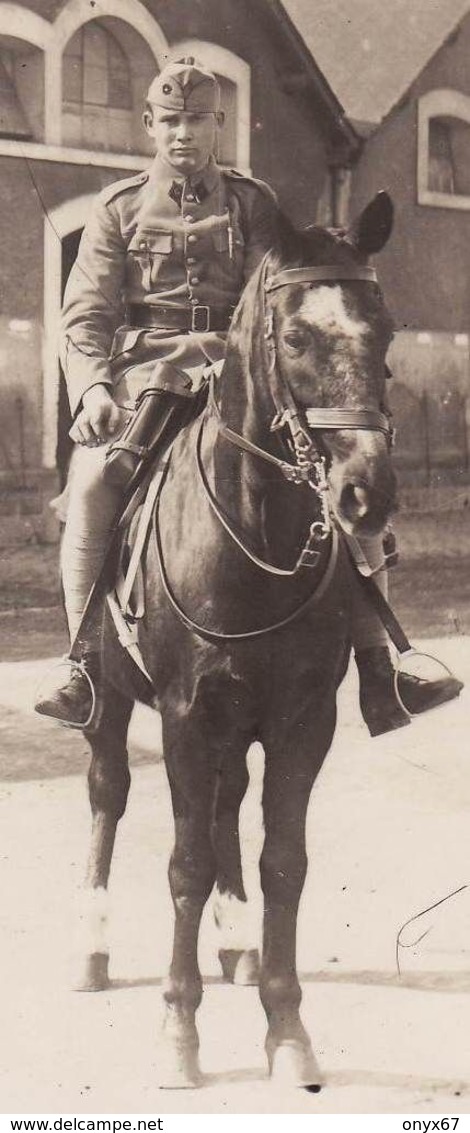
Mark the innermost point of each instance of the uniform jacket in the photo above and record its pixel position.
(156, 238)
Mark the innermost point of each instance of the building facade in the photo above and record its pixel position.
(73, 78)
(421, 153)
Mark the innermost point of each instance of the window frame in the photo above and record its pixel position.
(438, 104)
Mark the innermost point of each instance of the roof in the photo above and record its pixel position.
(310, 74)
(371, 52)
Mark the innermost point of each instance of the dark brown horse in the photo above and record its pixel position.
(247, 627)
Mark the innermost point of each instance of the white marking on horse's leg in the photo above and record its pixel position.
(94, 920)
(237, 925)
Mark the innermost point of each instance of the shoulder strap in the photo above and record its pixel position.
(112, 191)
(237, 181)
(235, 175)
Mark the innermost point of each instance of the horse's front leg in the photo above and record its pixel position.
(108, 785)
(288, 781)
(238, 930)
(192, 873)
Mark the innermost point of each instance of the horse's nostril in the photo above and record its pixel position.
(362, 501)
(354, 502)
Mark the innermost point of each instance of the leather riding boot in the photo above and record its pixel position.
(72, 701)
(380, 706)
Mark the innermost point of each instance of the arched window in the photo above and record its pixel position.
(97, 100)
(444, 149)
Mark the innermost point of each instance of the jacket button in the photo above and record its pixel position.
(190, 260)
(192, 238)
(189, 219)
(194, 279)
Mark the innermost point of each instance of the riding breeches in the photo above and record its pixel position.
(91, 509)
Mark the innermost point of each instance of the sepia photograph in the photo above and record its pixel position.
(234, 562)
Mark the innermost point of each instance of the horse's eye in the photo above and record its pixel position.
(296, 341)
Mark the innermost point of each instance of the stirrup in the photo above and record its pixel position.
(399, 669)
(95, 710)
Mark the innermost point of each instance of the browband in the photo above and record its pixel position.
(322, 274)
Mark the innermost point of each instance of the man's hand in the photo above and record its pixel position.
(99, 420)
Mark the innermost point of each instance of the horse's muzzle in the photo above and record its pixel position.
(364, 508)
(364, 486)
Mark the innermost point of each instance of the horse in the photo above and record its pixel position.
(246, 634)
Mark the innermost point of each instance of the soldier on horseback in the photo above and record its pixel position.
(161, 266)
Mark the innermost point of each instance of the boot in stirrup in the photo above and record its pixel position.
(380, 706)
(73, 701)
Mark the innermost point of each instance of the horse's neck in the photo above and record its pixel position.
(272, 512)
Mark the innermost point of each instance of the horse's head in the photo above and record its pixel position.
(327, 334)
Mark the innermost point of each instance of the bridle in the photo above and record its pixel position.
(310, 465)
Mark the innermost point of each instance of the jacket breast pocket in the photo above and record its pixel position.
(147, 252)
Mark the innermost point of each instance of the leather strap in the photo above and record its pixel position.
(128, 638)
(385, 613)
(199, 318)
(125, 589)
(370, 419)
(216, 636)
(365, 577)
(326, 273)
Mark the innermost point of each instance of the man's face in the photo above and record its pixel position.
(184, 141)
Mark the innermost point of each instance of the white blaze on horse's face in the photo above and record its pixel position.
(325, 308)
(333, 341)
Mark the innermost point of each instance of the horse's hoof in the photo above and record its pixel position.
(178, 1069)
(95, 977)
(240, 966)
(293, 1063)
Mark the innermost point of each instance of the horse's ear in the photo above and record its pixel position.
(370, 231)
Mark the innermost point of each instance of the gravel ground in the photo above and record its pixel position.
(387, 838)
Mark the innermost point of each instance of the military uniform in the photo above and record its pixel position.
(165, 249)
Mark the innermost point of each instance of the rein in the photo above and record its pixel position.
(308, 556)
(213, 635)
